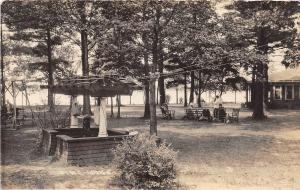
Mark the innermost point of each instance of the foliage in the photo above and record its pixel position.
(29, 23)
(292, 55)
(142, 163)
(264, 27)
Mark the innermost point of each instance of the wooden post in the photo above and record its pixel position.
(130, 100)
(235, 96)
(185, 90)
(119, 106)
(22, 99)
(111, 107)
(14, 101)
(96, 113)
(247, 91)
(102, 118)
(153, 121)
(74, 110)
(2, 69)
(176, 95)
(157, 95)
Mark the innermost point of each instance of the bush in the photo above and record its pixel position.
(143, 164)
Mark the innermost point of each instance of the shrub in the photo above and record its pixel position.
(142, 163)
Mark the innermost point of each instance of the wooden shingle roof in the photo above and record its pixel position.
(96, 86)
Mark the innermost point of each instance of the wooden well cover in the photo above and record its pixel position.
(96, 86)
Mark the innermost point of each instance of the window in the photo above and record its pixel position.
(277, 93)
(289, 92)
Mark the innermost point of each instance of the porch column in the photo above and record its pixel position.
(102, 118)
(74, 111)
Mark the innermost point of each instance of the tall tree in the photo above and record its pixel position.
(36, 22)
(270, 25)
(84, 24)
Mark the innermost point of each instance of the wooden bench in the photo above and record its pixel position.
(193, 113)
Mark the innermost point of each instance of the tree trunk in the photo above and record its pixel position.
(252, 87)
(155, 52)
(161, 80)
(84, 58)
(2, 70)
(266, 84)
(50, 72)
(185, 90)
(111, 107)
(192, 90)
(147, 105)
(162, 92)
(153, 121)
(258, 111)
(199, 90)
(147, 69)
(119, 106)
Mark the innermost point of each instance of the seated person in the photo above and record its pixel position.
(206, 115)
(166, 112)
(220, 113)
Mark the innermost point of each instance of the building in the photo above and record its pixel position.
(284, 89)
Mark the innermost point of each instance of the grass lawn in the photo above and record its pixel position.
(244, 155)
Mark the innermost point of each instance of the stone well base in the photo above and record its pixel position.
(77, 147)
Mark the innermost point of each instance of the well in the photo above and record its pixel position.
(80, 144)
(77, 146)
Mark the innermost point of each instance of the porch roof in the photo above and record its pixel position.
(286, 76)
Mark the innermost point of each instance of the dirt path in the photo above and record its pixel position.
(248, 155)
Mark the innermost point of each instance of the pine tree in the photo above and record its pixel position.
(36, 22)
(270, 25)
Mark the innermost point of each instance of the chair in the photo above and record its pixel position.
(234, 116)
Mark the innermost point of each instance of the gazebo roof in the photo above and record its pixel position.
(96, 86)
